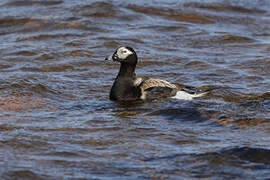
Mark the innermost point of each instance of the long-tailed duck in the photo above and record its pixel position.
(128, 87)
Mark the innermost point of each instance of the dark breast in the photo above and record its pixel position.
(124, 89)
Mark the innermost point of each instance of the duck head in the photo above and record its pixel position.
(125, 55)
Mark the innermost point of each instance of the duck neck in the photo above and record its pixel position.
(127, 70)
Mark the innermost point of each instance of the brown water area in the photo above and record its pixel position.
(57, 122)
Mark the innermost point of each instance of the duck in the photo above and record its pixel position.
(128, 87)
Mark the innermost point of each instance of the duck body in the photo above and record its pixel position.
(128, 87)
(123, 89)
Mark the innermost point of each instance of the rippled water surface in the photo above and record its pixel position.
(58, 123)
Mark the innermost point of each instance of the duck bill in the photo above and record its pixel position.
(113, 57)
(109, 58)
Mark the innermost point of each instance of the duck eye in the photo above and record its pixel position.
(124, 52)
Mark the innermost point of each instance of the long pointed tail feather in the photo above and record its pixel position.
(183, 95)
(189, 92)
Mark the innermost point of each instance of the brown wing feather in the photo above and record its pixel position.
(158, 88)
(149, 83)
(155, 88)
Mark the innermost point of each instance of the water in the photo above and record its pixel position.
(58, 123)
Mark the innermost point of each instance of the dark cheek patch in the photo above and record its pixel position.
(115, 57)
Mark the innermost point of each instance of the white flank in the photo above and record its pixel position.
(186, 96)
(138, 81)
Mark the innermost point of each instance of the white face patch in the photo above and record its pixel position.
(123, 53)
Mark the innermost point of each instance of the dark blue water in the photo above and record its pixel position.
(57, 122)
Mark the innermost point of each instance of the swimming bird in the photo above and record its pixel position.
(128, 87)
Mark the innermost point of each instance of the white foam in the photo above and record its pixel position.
(186, 96)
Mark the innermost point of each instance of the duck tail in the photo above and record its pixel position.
(189, 92)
